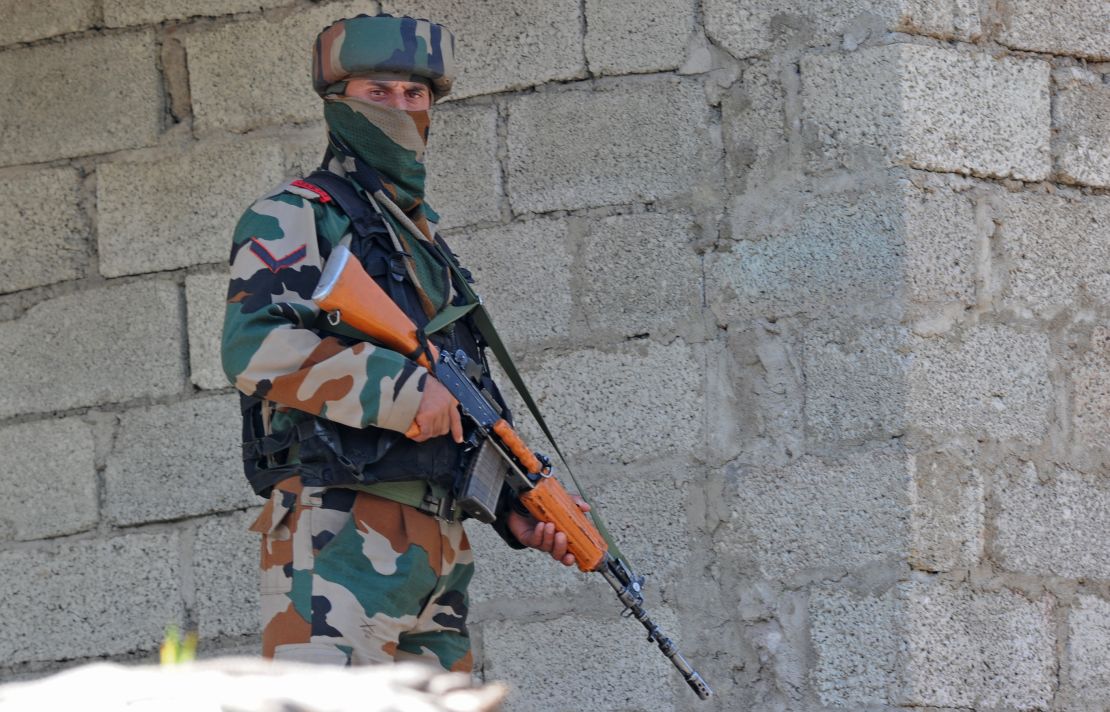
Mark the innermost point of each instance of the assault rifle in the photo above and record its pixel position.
(350, 296)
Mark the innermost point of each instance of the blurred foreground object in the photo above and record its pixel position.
(253, 685)
(176, 650)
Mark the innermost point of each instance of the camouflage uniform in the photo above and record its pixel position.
(322, 602)
(349, 575)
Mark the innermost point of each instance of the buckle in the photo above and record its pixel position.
(439, 507)
(446, 510)
(397, 265)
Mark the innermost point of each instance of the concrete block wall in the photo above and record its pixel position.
(814, 294)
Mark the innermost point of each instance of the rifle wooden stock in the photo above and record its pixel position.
(347, 290)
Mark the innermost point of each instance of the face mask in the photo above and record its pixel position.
(391, 141)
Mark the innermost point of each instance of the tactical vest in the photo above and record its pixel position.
(326, 453)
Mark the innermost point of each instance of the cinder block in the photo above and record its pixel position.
(744, 32)
(869, 124)
(1052, 528)
(1004, 86)
(35, 672)
(225, 572)
(626, 37)
(801, 249)
(464, 173)
(1002, 123)
(76, 117)
(121, 13)
(566, 151)
(27, 21)
(250, 647)
(931, 108)
(98, 346)
(947, 503)
(89, 598)
(1087, 678)
(58, 452)
(856, 642)
(206, 302)
(755, 394)
(640, 401)
(944, 238)
(855, 382)
(1056, 249)
(818, 516)
(42, 246)
(1075, 27)
(258, 72)
(523, 271)
(1081, 115)
(993, 382)
(639, 274)
(1091, 398)
(605, 662)
(993, 650)
(180, 211)
(180, 460)
(505, 45)
(304, 150)
(759, 28)
(815, 254)
(635, 274)
(780, 638)
(648, 517)
(753, 125)
(958, 19)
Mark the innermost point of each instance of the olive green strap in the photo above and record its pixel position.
(447, 316)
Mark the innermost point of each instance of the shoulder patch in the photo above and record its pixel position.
(307, 190)
(276, 264)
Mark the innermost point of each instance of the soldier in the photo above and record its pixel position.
(363, 558)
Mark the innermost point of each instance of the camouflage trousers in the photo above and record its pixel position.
(351, 578)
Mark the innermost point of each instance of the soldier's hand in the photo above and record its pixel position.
(438, 413)
(543, 535)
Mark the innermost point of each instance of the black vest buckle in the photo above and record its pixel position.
(397, 265)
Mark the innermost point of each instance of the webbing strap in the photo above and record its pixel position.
(447, 316)
(361, 214)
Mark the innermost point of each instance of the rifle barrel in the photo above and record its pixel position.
(627, 587)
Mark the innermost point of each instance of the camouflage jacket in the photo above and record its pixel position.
(270, 348)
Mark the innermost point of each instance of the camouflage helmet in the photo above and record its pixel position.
(383, 45)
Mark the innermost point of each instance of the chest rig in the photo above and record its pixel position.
(325, 453)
